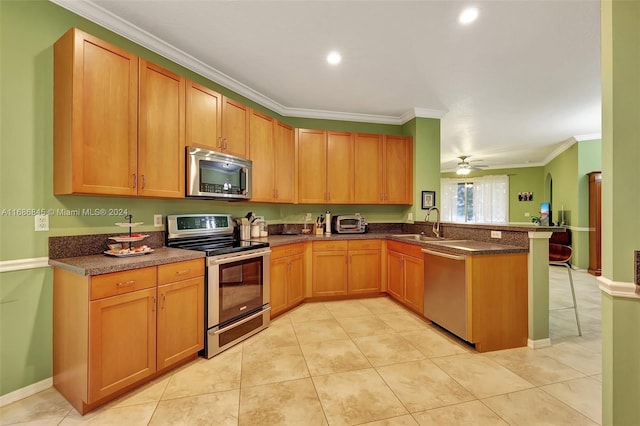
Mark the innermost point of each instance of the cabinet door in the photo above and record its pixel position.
(367, 185)
(295, 289)
(312, 166)
(395, 275)
(329, 273)
(339, 168)
(414, 283)
(279, 280)
(235, 128)
(261, 149)
(284, 152)
(95, 116)
(180, 320)
(122, 341)
(364, 271)
(398, 170)
(161, 132)
(203, 116)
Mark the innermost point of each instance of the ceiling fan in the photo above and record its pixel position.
(465, 167)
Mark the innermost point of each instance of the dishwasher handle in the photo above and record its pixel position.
(447, 255)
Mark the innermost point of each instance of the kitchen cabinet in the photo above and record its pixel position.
(161, 143)
(346, 267)
(114, 331)
(95, 117)
(118, 122)
(364, 266)
(287, 277)
(272, 152)
(203, 116)
(405, 274)
(235, 128)
(325, 167)
(368, 169)
(180, 311)
(397, 170)
(329, 268)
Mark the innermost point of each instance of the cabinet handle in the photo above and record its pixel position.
(126, 283)
(153, 309)
(219, 145)
(164, 300)
(135, 181)
(225, 144)
(144, 182)
(277, 193)
(183, 272)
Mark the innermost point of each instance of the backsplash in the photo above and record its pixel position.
(86, 245)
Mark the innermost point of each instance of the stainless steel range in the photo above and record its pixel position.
(237, 273)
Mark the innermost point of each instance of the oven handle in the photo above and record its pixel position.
(249, 318)
(235, 258)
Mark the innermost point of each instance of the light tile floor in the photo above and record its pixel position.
(372, 362)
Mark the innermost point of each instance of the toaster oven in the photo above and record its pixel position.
(349, 224)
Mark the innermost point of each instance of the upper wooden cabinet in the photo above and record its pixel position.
(272, 152)
(95, 117)
(367, 183)
(397, 170)
(203, 116)
(118, 122)
(235, 128)
(325, 167)
(161, 153)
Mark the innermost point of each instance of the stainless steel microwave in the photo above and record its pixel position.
(213, 174)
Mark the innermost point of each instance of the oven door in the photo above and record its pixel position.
(238, 285)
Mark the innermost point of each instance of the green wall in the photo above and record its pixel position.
(523, 179)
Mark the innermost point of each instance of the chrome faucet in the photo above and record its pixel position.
(436, 225)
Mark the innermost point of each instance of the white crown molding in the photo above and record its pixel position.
(619, 289)
(21, 264)
(91, 11)
(589, 137)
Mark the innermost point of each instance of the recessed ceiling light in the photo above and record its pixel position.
(334, 58)
(468, 15)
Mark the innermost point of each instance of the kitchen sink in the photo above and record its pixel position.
(417, 237)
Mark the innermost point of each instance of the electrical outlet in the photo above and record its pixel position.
(410, 216)
(157, 220)
(496, 234)
(42, 222)
(307, 217)
(527, 214)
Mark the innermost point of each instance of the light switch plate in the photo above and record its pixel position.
(496, 234)
(157, 220)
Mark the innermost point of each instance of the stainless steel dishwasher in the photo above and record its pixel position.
(445, 291)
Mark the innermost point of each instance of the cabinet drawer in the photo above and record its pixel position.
(365, 244)
(329, 245)
(122, 282)
(179, 271)
(288, 250)
(408, 249)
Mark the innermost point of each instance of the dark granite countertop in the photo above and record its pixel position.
(449, 246)
(102, 264)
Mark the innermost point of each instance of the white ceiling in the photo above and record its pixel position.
(514, 88)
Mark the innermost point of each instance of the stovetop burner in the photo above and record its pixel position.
(211, 233)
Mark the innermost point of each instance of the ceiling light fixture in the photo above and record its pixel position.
(463, 171)
(468, 15)
(334, 58)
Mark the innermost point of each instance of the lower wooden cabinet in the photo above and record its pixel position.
(405, 274)
(287, 277)
(115, 330)
(346, 267)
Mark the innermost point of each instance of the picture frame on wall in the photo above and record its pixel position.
(428, 199)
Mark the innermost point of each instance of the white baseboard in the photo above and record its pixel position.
(539, 344)
(21, 264)
(19, 394)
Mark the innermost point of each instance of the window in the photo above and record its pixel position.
(482, 199)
